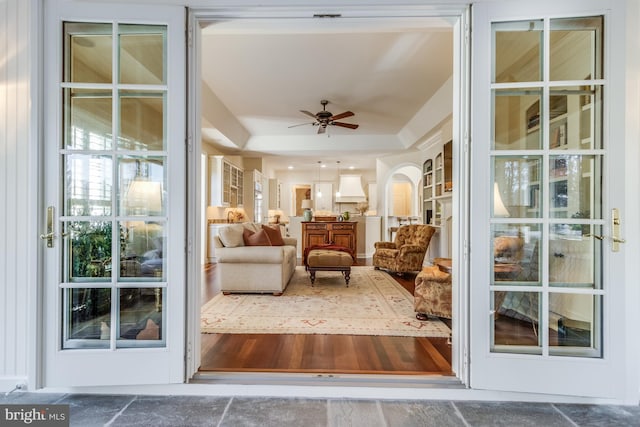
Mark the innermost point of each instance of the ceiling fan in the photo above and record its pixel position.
(325, 118)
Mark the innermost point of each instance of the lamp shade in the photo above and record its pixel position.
(307, 204)
(498, 206)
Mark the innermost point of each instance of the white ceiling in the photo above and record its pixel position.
(258, 74)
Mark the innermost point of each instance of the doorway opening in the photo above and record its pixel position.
(427, 356)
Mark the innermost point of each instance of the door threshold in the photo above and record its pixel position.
(328, 379)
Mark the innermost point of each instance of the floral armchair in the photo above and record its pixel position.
(406, 253)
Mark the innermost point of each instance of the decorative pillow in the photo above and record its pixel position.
(231, 236)
(275, 236)
(150, 332)
(259, 238)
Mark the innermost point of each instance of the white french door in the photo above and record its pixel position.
(547, 266)
(114, 282)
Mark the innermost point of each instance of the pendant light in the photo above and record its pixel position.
(319, 192)
(338, 190)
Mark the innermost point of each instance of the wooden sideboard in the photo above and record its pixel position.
(342, 233)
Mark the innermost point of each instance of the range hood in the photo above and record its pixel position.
(350, 189)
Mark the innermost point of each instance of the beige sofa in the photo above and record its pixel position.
(258, 269)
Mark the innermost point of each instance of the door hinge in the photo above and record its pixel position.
(190, 36)
(189, 142)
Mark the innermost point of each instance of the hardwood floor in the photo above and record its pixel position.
(347, 354)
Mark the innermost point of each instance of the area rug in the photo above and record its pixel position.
(373, 304)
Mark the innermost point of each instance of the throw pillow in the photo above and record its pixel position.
(275, 237)
(150, 332)
(259, 238)
(231, 236)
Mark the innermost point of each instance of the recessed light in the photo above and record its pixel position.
(323, 165)
(352, 167)
(290, 167)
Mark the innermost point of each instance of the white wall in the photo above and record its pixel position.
(19, 174)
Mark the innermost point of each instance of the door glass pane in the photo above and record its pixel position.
(89, 184)
(574, 113)
(574, 322)
(141, 186)
(88, 311)
(141, 120)
(89, 251)
(88, 124)
(142, 54)
(141, 316)
(517, 119)
(142, 249)
(516, 189)
(515, 322)
(574, 191)
(518, 51)
(575, 256)
(551, 195)
(88, 50)
(124, 259)
(576, 48)
(516, 254)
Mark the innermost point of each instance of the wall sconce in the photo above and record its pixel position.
(319, 193)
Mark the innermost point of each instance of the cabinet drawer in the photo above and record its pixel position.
(350, 226)
(315, 226)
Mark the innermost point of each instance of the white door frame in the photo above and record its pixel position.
(460, 164)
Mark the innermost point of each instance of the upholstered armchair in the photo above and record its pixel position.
(406, 253)
(432, 294)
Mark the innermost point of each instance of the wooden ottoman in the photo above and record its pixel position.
(329, 260)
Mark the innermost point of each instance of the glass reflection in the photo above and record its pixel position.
(87, 52)
(573, 325)
(573, 110)
(516, 191)
(141, 186)
(517, 119)
(141, 52)
(518, 51)
(516, 254)
(515, 324)
(573, 191)
(89, 248)
(88, 185)
(142, 250)
(88, 123)
(574, 253)
(576, 48)
(89, 314)
(141, 314)
(141, 121)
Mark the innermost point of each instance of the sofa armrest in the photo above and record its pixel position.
(251, 254)
(384, 245)
(290, 241)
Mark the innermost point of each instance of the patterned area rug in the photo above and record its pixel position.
(373, 304)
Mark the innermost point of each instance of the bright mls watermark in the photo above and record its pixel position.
(34, 415)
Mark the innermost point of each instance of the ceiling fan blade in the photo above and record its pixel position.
(342, 115)
(308, 113)
(301, 124)
(322, 129)
(345, 125)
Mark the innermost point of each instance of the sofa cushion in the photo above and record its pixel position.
(275, 236)
(258, 238)
(231, 236)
